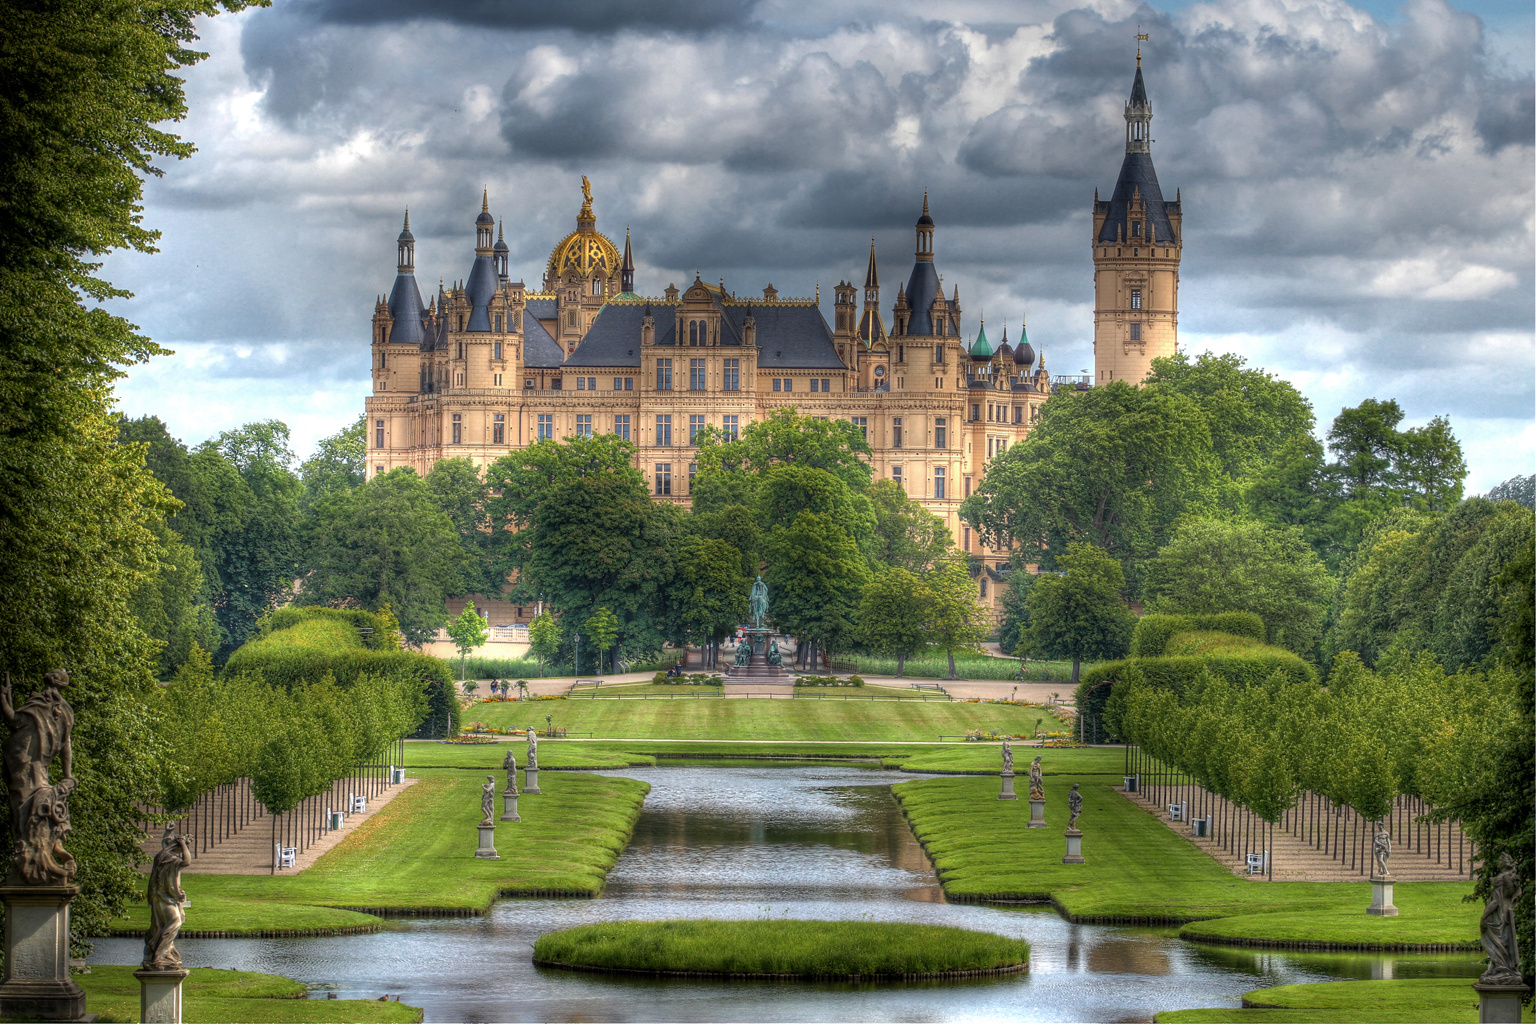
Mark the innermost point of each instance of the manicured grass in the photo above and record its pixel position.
(1397, 1001)
(552, 754)
(805, 949)
(987, 757)
(209, 994)
(1351, 925)
(937, 667)
(416, 856)
(798, 719)
(681, 691)
(1137, 869)
(212, 912)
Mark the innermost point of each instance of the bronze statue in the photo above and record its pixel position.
(39, 732)
(166, 902)
(743, 654)
(759, 603)
(1498, 927)
(487, 797)
(774, 657)
(1381, 850)
(1074, 806)
(1036, 779)
(510, 764)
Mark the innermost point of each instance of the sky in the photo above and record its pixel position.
(1357, 180)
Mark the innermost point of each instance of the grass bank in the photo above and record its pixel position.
(1139, 871)
(415, 857)
(828, 719)
(1398, 1001)
(937, 667)
(782, 949)
(235, 997)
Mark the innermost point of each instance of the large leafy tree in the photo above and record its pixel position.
(1113, 466)
(906, 534)
(892, 616)
(1080, 614)
(955, 619)
(385, 543)
(463, 497)
(1224, 565)
(784, 491)
(708, 597)
(788, 438)
(467, 632)
(521, 481)
(340, 463)
(82, 86)
(815, 577)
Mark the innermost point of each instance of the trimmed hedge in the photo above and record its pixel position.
(1206, 643)
(1152, 633)
(300, 645)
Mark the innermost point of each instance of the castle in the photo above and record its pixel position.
(490, 366)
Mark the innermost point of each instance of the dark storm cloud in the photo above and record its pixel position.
(598, 16)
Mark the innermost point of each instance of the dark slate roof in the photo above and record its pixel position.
(614, 337)
(1137, 172)
(540, 351)
(922, 289)
(406, 307)
(1138, 90)
(480, 289)
(542, 309)
(790, 337)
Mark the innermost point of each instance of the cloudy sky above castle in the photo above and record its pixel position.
(1357, 180)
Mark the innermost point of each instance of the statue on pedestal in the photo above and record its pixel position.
(533, 750)
(1381, 852)
(39, 732)
(487, 798)
(774, 657)
(1498, 927)
(759, 603)
(743, 654)
(510, 764)
(166, 902)
(1036, 779)
(1074, 807)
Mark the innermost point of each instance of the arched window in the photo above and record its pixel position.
(597, 286)
(693, 332)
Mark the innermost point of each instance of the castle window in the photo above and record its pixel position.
(496, 380)
(862, 422)
(496, 347)
(618, 383)
(733, 375)
(461, 350)
(546, 426)
(826, 385)
(597, 286)
(789, 384)
(528, 383)
(1136, 229)
(570, 318)
(901, 353)
(461, 321)
(939, 432)
(499, 428)
(896, 439)
(1018, 414)
(695, 424)
(621, 427)
(663, 478)
(383, 360)
(378, 433)
(581, 383)
(695, 375)
(938, 354)
(1135, 298)
(983, 587)
(629, 383)
(815, 384)
(498, 329)
(458, 429)
(938, 482)
(1135, 332)
(663, 375)
(584, 425)
(693, 471)
(777, 384)
(967, 494)
(966, 540)
(664, 432)
(693, 332)
(975, 412)
(517, 321)
(896, 476)
(729, 426)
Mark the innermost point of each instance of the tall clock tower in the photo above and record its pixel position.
(1137, 242)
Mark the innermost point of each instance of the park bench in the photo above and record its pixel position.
(1256, 863)
(287, 856)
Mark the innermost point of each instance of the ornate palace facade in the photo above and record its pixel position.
(492, 365)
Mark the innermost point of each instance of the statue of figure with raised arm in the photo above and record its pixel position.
(1498, 926)
(166, 902)
(1036, 779)
(533, 751)
(510, 764)
(39, 732)
(1007, 757)
(1381, 851)
(488, 797)
(759, 603)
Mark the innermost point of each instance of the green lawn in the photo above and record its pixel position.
(1138, 870)
(1399, 1001)
(680, 691)
(829, 719)
(416, 856)
(1349, 925)
(804, 949)
(236, 997)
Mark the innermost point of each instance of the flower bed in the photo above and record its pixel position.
(828, 681)
(688, 679)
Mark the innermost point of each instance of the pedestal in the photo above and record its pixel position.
(1499, 1004)
(1007, 793)
(1036, 813)
(487, 849)
(509, 806)
(1381, 898)
(532, 783)
(160, 995)
(37, 985)
(1074, 847)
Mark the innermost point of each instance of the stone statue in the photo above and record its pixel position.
(487, 797)
(1381, 850)
(533, 750)
(774, 657)
(510, 764)
(743, 654)
(1036, 780)
(1074, 806)
(759, 603)
(166, 902)
(39, 732)
(1007, 758)
(1498, 927)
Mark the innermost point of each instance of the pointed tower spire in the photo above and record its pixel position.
(501, 251)
(627, 270)
(925, 233)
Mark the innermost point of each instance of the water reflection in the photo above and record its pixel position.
(800, 841)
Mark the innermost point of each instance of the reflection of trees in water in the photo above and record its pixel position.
(1129, 954)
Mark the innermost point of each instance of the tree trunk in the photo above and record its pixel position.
(952, 664)
(274, 843)
(901, 665)
(1077, 664)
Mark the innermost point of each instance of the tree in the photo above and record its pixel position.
(708, 597)
(544, 636)
(463, 496)
(906, 534)
(602, 629)
(83, 86)
(386, 542)
(1219, 565)
(340, 463)
(1519, 489)
(172, 607)
(1013, 598)
(522, 480)
(1113, 466)
(467, 632)
(893, 615)
(785, 491)
(282, 776)
(815, 576)
(955, 620)
(1080, 614)
(1373, 458)
(787, 438)
(736, 526)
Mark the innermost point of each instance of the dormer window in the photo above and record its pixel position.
(597, 286)
(1136, 229)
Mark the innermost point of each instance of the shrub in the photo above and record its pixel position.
(1152, 633)
(1208, 642)
(827, 681)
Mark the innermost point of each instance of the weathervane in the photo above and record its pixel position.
(1141, 37)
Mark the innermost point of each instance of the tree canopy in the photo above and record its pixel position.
(1080, 613)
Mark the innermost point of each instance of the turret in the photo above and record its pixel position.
(483, 281)
(405, 305)
(501, 253)
(627, 268)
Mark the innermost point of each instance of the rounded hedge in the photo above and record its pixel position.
(808, 950)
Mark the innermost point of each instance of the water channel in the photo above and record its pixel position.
(798, 841)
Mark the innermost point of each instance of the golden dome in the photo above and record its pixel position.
(585, 250)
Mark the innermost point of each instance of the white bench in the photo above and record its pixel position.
(287, 856)
(1176, 812)
(1256, 862)
(359, 804)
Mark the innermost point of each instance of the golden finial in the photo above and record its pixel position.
(586, 189)
(1141, 37)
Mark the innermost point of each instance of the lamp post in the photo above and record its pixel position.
(578, 653)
